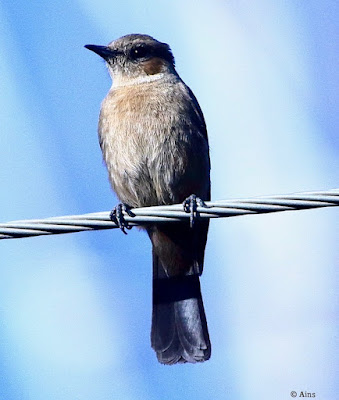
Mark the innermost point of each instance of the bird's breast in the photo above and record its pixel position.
(145, 135)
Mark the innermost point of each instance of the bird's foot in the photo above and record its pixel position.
(117, 216)
(190, 206)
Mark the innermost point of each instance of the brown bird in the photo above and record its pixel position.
(154, 141)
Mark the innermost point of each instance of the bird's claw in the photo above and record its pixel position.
(117, 216)
(190, 206)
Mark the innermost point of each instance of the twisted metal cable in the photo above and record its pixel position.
(169, 213)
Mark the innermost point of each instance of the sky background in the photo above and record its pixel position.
(75, 310)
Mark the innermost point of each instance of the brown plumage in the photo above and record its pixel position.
(154, 142)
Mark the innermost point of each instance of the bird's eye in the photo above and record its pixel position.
(139, 52)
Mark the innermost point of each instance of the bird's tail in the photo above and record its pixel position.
(179, 329)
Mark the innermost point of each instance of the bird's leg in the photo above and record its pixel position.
(190, 206)
(117, 216)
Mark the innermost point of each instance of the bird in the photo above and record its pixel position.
(153, 137)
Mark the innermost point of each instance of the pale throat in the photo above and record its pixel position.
(119, 81)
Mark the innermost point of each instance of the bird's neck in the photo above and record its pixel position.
(128, 81)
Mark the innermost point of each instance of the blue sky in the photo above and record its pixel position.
(75, 310)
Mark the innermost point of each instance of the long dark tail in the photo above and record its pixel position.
(179, 329)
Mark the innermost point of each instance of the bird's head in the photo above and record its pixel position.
(135, 57)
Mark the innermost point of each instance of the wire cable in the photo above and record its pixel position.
(169, 213)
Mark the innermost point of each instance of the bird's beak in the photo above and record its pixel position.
(103, 51)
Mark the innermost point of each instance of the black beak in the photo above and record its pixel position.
(103, 51)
